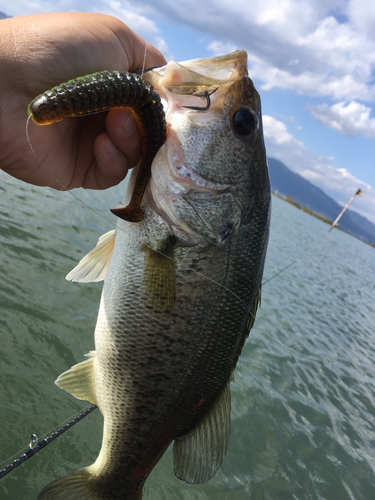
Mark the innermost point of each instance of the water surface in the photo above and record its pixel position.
(303, 405)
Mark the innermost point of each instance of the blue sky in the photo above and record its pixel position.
(313, 62)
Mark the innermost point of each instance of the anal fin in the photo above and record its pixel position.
(79, 380)
(198, 455)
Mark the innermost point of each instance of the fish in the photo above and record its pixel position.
(181, 287)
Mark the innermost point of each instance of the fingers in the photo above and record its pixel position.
(116, 151)
(69, 45)
(123, 130)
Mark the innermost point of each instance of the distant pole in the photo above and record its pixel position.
(359, 193)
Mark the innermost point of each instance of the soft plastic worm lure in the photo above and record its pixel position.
(103, 91)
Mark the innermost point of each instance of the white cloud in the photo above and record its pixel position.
(276, 132)
(143, 26)
(338, 183)
(315, 47)
(347, 118)
(310, 175)
(331, 61)
(129, 12)
(362, 14)
(289, 119)
(220, 48)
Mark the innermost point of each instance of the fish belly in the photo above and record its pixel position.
(158, 372)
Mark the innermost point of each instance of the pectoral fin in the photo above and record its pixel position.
(79, 380)
(198, 455)
(93, 267)
(159, 279)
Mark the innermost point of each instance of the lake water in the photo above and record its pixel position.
(303, 405)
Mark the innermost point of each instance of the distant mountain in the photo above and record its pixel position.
(288, 183)
(3, 16)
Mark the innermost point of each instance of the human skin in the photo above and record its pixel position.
(40, 51)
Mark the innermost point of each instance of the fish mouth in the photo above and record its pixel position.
(183, 85)
(190, 76)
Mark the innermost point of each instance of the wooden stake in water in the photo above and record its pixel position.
(359, 193)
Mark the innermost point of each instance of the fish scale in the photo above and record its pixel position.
(181, 289)
(194, 340)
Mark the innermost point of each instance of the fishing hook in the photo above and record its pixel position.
(195, 108)
(201, 108)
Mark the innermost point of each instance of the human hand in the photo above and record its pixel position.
(40, 51)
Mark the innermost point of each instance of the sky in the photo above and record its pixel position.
(312, 61)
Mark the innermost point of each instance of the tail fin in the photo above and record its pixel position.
(80, 486)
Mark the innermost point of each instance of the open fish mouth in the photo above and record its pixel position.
(195, 80)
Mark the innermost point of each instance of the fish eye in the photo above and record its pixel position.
(244, 121)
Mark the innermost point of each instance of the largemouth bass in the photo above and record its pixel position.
(181, 287)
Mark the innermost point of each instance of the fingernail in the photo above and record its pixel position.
(129, 127)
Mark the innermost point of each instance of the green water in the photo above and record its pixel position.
(303, 417)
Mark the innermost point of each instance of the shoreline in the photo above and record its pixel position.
(295, 203)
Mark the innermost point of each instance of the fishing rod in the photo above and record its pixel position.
(35, 446)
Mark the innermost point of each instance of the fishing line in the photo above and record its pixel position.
(279, 272)
(267, 281)
(246, 307)
(36, 446)
(144, 61)
(117, 228)
(57, 180)
(280, 343)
